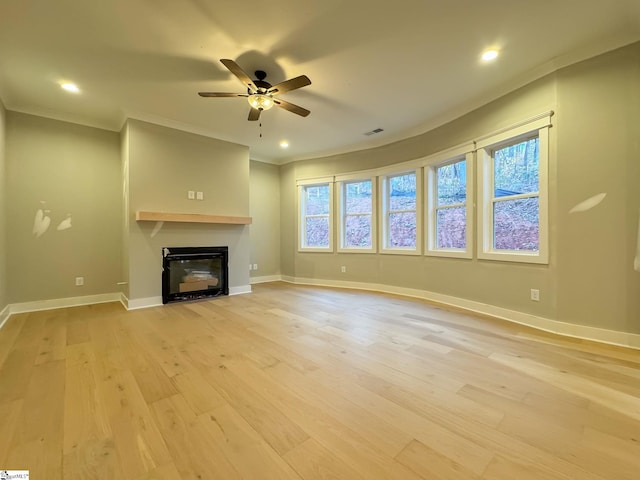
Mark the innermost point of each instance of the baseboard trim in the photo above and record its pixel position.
(55, 303)
(146, 302)
(601, 335)
(265, 279)
(241, 290)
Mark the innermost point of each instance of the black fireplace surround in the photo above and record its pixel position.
(189, 273)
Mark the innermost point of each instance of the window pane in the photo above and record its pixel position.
(402, 192)
(452, 183)
(317, 200)
(402, 230)
(516, 169)
(358, 197)
(516, 224)
(451, 228)
(357, 231)
(317, 232)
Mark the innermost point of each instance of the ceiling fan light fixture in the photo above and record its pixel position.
(260, 101)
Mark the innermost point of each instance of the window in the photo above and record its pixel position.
(316, 226)
(513, 218)
(450, 208)
(357, 225)
(401, 229)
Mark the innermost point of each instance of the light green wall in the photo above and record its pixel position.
(3, 190)
(593, 148)
(163, 164)
(598, 152)
(265, 212)
(75, 170)
(496, 283)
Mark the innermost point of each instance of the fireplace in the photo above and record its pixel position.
(189, 273)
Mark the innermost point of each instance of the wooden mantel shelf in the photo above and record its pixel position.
(190, 218)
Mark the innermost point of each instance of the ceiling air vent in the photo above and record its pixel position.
(373, 132)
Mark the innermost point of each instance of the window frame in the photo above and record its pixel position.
(302, 188)
(486, 147)
(384, 213)
(342, 215)
(431, 179)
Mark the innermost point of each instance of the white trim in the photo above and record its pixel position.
(56, 303)
(383, 229)
(138, 303)
(523, 127)
(485, 199)
(341, 215)
(430, 213)
(265, 279)
(301, 216)
(242, 289)
(149, 302)
(601, 335)
(444, 156)
(306, 182)
(359, 175)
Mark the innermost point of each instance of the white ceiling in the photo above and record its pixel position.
(404, 65)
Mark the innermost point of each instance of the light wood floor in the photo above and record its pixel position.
(295, 382)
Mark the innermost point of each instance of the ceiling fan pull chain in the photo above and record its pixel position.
(260, 129)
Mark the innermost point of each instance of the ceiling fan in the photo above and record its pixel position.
(261, 94)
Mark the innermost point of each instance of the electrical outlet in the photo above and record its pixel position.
(199, 195)
(250, 267)
(535, 294)
(79, 281)
(191, 195)
(255, 266)
(343, 269)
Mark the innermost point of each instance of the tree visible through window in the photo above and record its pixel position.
(401, 211)
(450, 205)
(516, 211)
(315, 216)
(357, 214)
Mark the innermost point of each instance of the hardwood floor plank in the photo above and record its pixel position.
(314, 462)
(92, 459)
(38, 437)
(304, 382)
(53, 342)
(250, 454)
(199, 394)
(9, 415)
(10, 332)
(138, 442)
(77, 332)
(194, 450)
(85, 416)
(431, 464)
(604, 395)
(350, 446)
(264, 417)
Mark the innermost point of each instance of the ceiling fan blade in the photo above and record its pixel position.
(238, 72)
(288, 85)
(303, 112)
(222, 94)
(254, 114)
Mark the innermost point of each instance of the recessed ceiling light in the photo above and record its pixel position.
(70, 87)
(489, 55)
(284, 144)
